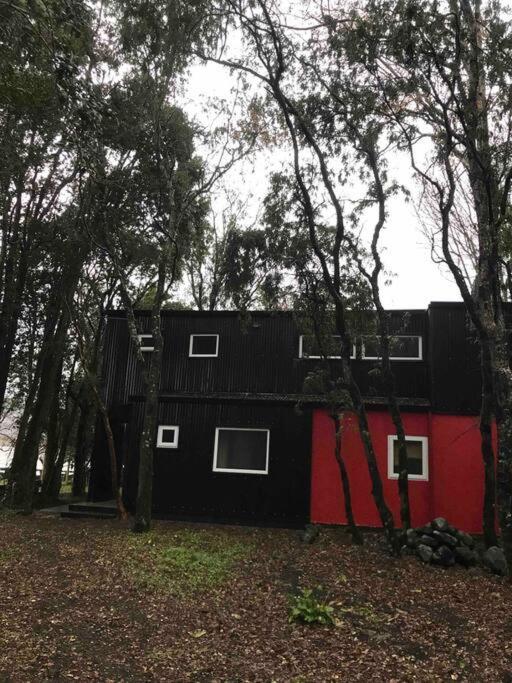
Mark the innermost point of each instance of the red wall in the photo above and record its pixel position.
(454, 489)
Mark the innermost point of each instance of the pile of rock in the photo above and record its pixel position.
(442, 544)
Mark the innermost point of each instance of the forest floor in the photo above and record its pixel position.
(87, 600)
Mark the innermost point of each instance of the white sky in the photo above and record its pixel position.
(417, 280)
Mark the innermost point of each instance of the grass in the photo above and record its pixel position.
(186, 562)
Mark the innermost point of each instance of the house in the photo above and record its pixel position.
(238, 439)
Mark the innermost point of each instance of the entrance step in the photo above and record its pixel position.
(90, 510)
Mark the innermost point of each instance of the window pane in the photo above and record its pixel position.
(146, 341)
(242, 450)
(405, 347)
(204, 345)
(311, 348)
(399, 347)
(168, 435)
(414, 457)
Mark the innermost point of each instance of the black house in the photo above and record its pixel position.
(234, 438)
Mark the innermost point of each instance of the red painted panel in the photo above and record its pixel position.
(327, 505)
(459, 474)
(454, 489)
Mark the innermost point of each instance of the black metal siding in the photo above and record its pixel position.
(258, 354)
(454, 358)
(184, 482)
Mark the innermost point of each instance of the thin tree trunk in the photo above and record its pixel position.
(83, 447)
(357, 537)
(486, 420)
(147, 443)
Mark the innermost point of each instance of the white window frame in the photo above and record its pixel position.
(203, 355)
(143, 347)
(352, 355)
(160, 443)
(239, 429)
(398, 336)
(424, 457)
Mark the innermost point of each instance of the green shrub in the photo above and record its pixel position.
(306, 608)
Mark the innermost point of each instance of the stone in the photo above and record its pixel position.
(494, 559)
(440, 524)
(465, 556)
(411, 538)
(445, 538)
(406, 550)
(310, 533)
(465, 538)
(426, 529)
(425, 553)
(443, 556)
(429, 540)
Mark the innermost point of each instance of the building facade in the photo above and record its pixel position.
(239, 438)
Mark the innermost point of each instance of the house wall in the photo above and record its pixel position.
(184, 483)
(454, 489)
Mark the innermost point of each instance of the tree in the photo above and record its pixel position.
(439, 73)
(335, 139)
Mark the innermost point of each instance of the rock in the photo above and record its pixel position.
(440, 524)
(465, 556)
(445, 538)
(465, 538)
(426, 529)
(310, 533)
(411, 538)
(494, 559)
(425, 553)
(407, 550)
(443, 556)
(429, 540)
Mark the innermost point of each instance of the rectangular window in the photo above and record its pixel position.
(241, 450)
(309, 347)
(146, 342)
(204, 346)
(401, 347)
(417, 457)
(167, 436)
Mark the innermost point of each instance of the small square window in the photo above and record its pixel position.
(146, 342)
(241, 450)
(167, 436)
(204, 346)
(417, 457)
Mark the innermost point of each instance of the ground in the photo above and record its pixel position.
(87, 600)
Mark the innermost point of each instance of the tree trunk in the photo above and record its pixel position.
(25, 475)
(83, 447)
(147, 443)
(357, 537)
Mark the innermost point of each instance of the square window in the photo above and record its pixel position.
(167, 436)
(417, 457)
(146, 342)
(401, 347)
(241, 450)
(204, 346)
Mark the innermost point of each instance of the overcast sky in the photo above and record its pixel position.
(417, 279)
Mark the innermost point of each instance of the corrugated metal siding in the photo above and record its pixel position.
(258, 355)
(185, 484)
(454, 359)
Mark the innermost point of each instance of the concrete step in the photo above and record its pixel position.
(93, 507)
(87, 514)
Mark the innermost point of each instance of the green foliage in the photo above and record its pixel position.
(189, 562)
(307, 608)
